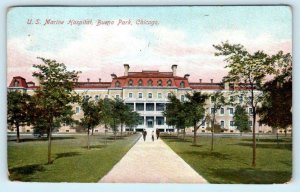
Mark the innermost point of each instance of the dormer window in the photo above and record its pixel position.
(150, 83)
(117, 84)
(130, 82)
(140, 82)
(169, 83)
(182, 84)
(159, 83)
(16, 83)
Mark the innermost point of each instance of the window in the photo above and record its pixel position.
(140, 95)
(231, 123)
(117, 84)
(149, 106)
(86, 97)
(130, 82)
(241, 99)
(160, 106)
(230, 111)
(169, 83)
(150, 95)
(222, 111)
(213, 110)
(159, 83)
(140, 106)
(182, 98)
(77, 109)
(117, 96)
(130, 105)
(169, 95)
(182, 84)
(159, 120)
(150, 83)
(250, 111)
(130, 95)
(222, 124)
(140, 82)
(159, 95)
(97, 97)
(141, 120)
(16, 83)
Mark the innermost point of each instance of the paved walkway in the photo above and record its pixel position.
(152, 162)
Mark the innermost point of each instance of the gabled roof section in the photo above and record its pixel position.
(18, 82)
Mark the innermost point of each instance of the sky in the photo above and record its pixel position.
(182, 35)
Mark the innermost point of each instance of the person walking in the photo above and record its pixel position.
(157, 133)
(152, 135)
(144, 134)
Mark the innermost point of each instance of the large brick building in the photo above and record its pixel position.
(147, 91)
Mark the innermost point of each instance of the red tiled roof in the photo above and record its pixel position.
(91, 85)
(18, 81)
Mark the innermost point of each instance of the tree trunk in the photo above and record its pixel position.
(92, 131)
(212, 131)
(49, 144)
(88, 138)
(18, 132)
(105, 129)
(195, 135)
(121, 129)
(254, 139)
(183, 133)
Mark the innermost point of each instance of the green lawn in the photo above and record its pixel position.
(72, 161)
(230, 162)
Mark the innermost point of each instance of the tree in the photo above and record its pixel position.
(217, 100)
(132, 119)
(241, 119)
(195, 111)
(18, 108)
(121, 111)
(249, 70)
(54, 95)
(275, 110)
(91, 116)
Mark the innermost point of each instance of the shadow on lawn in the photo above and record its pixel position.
(268, 146)
(21, 173)
(270, 140)
(95, 146)
(249, 176)
(41, 139)
(68, 154)
(208, 154)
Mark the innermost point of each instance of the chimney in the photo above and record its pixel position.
(174, 68)
(99, 80)
(186, 76)
(200, 80)
(211, 80)
(88, 79)
(126, 68)
(113, 76)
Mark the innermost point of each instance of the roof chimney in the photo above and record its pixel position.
(211, 80)
(200, 80)
(186, 76)
(126, 68)
(88, 79)
(174, 68)
(99, 79)
(113, 76)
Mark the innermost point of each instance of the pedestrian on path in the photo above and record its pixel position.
(152, 135)
(144, 134)
(157, 133)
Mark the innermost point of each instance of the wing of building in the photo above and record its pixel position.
(146, 92)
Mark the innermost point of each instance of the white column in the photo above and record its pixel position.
(165, 124)
(145, 123)
(134, 106)
(144, 106)
(154, 123)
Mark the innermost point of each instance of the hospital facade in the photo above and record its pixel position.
(147, 93)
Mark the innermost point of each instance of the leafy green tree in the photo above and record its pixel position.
(195, 111)
(91, 116)
(241, 119)
(276, 108)
(55, 94)
(217, 100)
(250, 69)
(132, 119)
(121, 111)
(18, 109)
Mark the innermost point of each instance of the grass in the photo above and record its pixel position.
(72, 161)
(230, 162)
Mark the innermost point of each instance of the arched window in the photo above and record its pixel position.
(140, 82)
(159, 83)
(130, 82)
(150, 83)
(117, 84)
(169, 83)
(182, 84)
(97, 97)
(16, 83)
